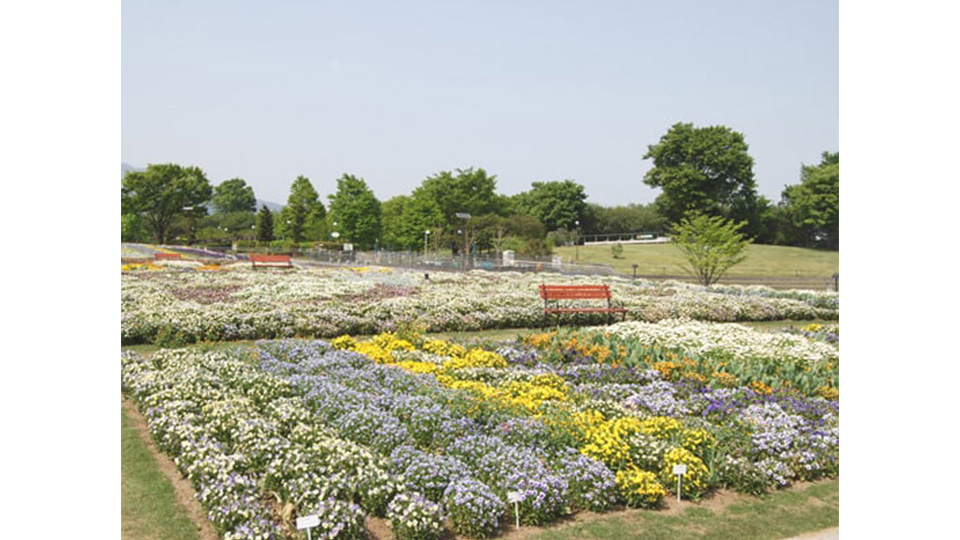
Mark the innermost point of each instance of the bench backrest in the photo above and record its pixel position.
(172, 256)
(270, 258)
(575, 292)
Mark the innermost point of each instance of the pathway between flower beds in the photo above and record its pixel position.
(181, 486)
(379, 529)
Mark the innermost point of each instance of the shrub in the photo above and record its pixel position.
(473, 508)
(413, 517)
(640, 488)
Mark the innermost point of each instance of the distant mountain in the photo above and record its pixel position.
(274, 207)
(126, 167)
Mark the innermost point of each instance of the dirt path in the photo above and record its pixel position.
(182, 488)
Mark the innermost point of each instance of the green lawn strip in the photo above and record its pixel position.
(666, 259)
(148, 506)
(779, 515)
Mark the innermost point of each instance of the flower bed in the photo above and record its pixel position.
(326, 302)
(418, 431)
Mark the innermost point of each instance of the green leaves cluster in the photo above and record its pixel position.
(813, 205)
(356, 211)
(711, 245)
(706, 170)
(163, 192)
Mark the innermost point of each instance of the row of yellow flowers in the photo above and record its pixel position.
(604, 439)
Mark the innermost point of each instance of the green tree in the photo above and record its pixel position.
(356, 211)
(463, 191)
(813, 206)
(131, 227)
(303, 218)
(228, 226)
(710, 244)
(631, 218)
(234, 195)
(558, 205)
(705, 170)
(264, 225)
(162, 192)
(405, 218)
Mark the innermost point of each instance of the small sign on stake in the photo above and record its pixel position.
(308, 522)
(679, 469)
(516, 497)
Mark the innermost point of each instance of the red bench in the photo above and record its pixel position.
(166, 256)
(270, 261)
(554, 293)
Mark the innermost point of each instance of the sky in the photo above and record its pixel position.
(394, 92)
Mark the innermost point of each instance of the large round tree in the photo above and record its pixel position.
(705, 170)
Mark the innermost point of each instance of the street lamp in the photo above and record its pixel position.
(576, 240)
(425, 234)
(464, 216)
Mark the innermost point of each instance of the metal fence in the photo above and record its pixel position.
(551, 264)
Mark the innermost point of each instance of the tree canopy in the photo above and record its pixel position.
(705, 170)
(463, 191)
(162, 192)
(558, 205)
(356, 211)
(711, 245)
(813, 205)
(264, 225)
(303, 216)
(234, 195)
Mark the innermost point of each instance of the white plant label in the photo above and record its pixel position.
(679, 469)
(307, 522)
(516, 497)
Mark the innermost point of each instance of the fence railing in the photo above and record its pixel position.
(414, 260)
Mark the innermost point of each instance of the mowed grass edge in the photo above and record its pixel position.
(778, 515)
(148, 505)
(666, 259)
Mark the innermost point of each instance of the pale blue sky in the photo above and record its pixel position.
(531, 91)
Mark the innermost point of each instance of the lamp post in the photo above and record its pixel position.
(425, 234)
(576, 240)
(464, 216)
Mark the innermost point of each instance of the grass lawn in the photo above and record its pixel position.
(778, 515)
(148, 507)
(666, 259)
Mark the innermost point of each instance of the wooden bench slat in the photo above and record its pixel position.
(270, 261)
(553, 293)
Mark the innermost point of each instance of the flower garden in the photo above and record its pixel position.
(180, 302)
(432, 435)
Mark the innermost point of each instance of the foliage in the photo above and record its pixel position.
(413, 517)
(131, 228)
(303, 216)
(625, 218)
(617, 250)
(640, 488)
(813, 206)
(556, 204)
(406, 218)
(470, 191)
(710, 244)
(356, 211)
(705, 170)
(473, 508)
(264, 225)
(162, 192)
(234, 195)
